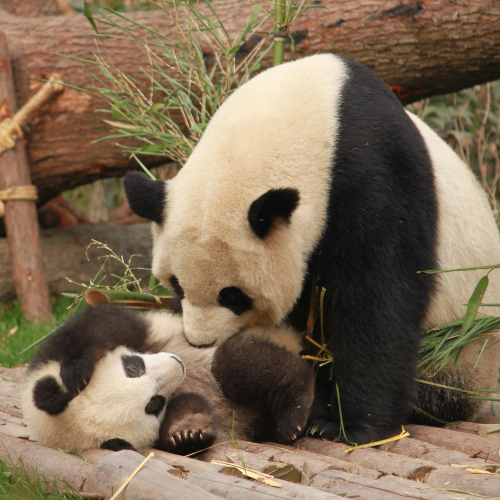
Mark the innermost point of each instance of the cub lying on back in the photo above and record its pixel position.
(113, 379)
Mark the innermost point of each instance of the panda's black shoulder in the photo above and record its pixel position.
(92, 333)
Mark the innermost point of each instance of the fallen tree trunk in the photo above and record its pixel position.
(70, 245)
(418, 48)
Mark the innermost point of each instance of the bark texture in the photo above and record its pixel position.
(21, 220)
(419, 48)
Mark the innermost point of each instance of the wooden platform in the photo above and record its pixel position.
(432, 464)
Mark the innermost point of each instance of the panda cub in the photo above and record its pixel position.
(110, 378)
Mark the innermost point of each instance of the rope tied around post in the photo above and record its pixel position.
(10, 128)
(17, 193)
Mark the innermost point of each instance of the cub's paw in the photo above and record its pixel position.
(291, 422)
(190, 434)
(188, 425)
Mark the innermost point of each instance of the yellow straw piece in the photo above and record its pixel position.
(252, 474)
(322, 347)
(377, 443)
(480, 471)
(119, 490)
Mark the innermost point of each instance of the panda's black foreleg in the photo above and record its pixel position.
(263, 375)
(188, 425)
(371, 381)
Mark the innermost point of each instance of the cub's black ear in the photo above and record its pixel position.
(117, 444)
(273, 205)
(48, 396)
(146, 197)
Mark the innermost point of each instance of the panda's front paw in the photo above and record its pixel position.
(191, 434)
(352, 435)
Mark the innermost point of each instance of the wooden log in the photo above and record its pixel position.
(266, 455)
(52, 464)
(229, 483)
(427, 451)
(326, 474)
(418, 48)
(153, 481)
(70, 245)
(416, 469)
(472, 445)
(21, 222)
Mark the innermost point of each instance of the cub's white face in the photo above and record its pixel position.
(125, 399)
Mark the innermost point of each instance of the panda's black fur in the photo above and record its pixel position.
(250, 210)
(271, 400)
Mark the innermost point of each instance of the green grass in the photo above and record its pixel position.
(12, 343)
(17, 483)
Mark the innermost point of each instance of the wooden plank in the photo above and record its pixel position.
(21, 220)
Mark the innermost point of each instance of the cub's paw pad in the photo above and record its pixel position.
(190, 434)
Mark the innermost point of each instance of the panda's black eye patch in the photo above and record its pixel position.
(235, 300)
(134, 366)
(176, 287)
(48, 396)
(155, 405)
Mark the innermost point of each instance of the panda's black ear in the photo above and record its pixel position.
(273, 205)
(145, 196)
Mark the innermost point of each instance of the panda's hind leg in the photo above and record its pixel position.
(260, 374)
(188, 425)
(448, 405)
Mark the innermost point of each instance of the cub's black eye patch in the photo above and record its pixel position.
(176, 287)
(134, 366)
(235, 300)
(48, 396)
(155, 405)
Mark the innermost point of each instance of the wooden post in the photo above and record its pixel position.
(21, 221)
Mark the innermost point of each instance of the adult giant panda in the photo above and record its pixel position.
(313, 170)
(112, 379)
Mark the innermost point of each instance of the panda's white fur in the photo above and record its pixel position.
(467, 237)
(327, 128)
(111, 405)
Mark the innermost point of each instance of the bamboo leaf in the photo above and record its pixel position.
(88, 14)
(474, 301)
(480, 353)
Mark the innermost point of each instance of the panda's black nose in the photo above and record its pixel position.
(155, 405)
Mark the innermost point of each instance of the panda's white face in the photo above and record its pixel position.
(125, 399)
